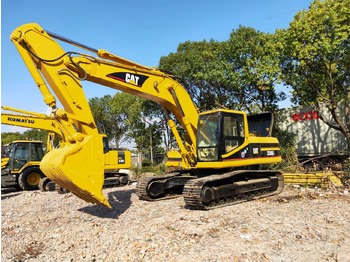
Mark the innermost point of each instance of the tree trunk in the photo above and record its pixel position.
(347, 136)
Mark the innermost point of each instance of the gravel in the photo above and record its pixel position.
(300, 224)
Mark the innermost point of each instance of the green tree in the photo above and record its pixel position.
(253, 65)
(31, 134)
(315, 60)
(135, 121)
(35, 134)
(196, 66)
(8, 137)
(153, 138)
(102, 113)
(142, 122)
(123, 117)
(119, 111)
(109, 115)
(239, 73)
(157, 114)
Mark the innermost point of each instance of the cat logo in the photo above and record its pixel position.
(132, 79)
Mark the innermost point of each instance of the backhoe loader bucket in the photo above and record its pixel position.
(79, 168)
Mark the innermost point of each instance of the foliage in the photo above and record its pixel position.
(158, 170)
(198, 67)
(36, 134)
(153, 137)
(315, 59)
(253, 65)
(134, 121)
(146, 162)
(123, 117)
(287, 142)
(140, 115)
(8, 137)
(110, 117)
(157, 118)
(31, 134)
(99, 109)
(239, 73)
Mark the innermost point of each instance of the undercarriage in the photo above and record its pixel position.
(211, 191)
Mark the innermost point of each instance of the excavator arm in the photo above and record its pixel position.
(78, 165)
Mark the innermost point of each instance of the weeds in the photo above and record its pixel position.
(157, 170)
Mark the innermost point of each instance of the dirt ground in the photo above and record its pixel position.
(300, 224)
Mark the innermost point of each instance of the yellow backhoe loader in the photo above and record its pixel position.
(116, 161)
(20, 166)
(215, 151)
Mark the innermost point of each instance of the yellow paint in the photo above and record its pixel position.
(78, 165)
(311, 179)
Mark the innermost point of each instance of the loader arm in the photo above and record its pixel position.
(30, 120)
(78, 165)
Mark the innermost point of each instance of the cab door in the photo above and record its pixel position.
(19, 156)
(232, 132)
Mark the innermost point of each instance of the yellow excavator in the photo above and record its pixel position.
(214, 153)
(116, 161)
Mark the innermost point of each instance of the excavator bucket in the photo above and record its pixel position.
(79, 168)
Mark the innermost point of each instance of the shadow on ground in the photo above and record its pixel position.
(6, 193)
(120, 201)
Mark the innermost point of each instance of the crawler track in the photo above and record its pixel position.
(162, 187)
(116, 180)
(212, 191)
(227, 189)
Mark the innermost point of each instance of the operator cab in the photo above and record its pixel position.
(219, 132)
(23, 152)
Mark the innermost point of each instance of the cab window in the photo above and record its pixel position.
(208, 137)
(105, 145)
(233, 132)
(21, 155)
(36, 152)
